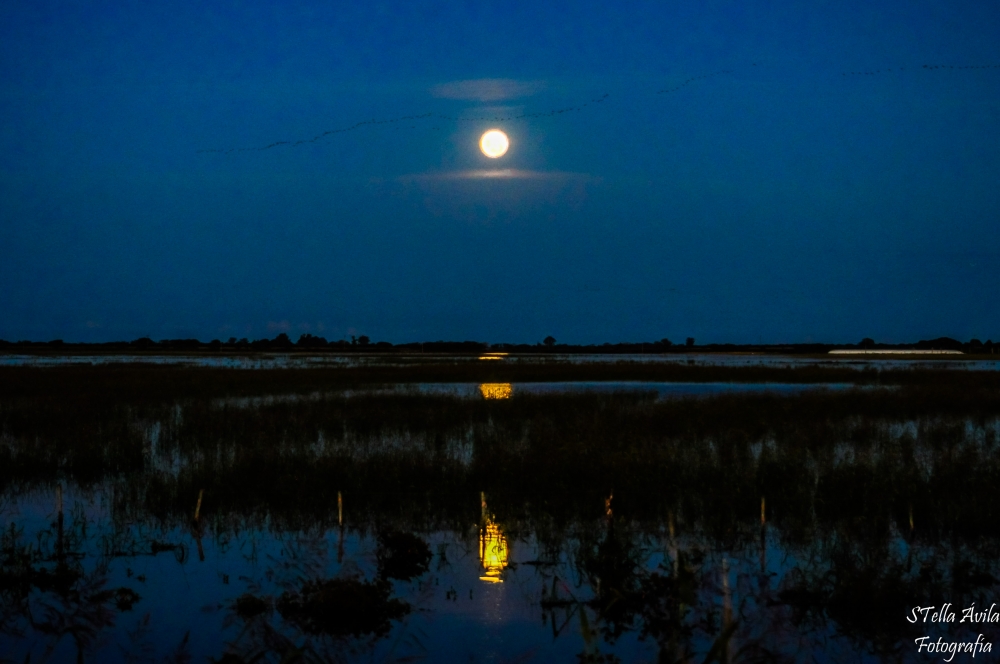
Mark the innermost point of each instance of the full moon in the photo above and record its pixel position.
(494, 143)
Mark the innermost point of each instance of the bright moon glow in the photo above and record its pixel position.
(494, 143)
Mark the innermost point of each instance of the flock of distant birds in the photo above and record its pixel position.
(554, 112)
(879, 71)
(694, 79)
(358, 125)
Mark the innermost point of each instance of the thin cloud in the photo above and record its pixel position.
(495, 174)
(503, 194)
(487, 89)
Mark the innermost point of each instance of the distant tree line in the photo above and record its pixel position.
(363, 344)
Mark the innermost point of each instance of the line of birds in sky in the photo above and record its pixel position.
(356, 125)
(553, 112)
(694, 79)
(879, 71)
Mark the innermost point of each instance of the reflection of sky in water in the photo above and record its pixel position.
(454, 617)
(289, 361)
(507, 390)
(183, 594)
(663, 390)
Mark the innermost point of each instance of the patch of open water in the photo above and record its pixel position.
(508, 390)
(300, 361)
(89, 586)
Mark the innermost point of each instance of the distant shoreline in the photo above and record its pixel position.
(895, 352)
(318, 346)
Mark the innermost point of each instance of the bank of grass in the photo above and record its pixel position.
(865, 458)
(145, 382)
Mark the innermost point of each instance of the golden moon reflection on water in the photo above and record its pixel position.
(492, 552)
(494, 143)
(496, 390)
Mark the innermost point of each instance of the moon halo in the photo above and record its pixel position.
(494, 143)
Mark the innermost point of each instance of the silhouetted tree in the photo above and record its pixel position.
(282, 341)
(309, 341)
(666, 342)
(363, 340)
(866, 343)
(689, 342)
(144, 342)
(549, 341)
(941, 343)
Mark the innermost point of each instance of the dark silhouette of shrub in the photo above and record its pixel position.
(941, 343)
(125, 598)
(402, 556)
(247, 606)
(309, 341)
(342, 607)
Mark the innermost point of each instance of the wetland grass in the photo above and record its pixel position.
(823, 454)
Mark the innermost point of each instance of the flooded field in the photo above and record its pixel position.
(302, 360)
(206, 514)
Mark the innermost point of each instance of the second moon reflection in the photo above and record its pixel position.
(493, 552)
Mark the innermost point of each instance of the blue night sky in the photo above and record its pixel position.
(779, 197)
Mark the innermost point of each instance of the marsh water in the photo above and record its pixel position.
(278, 360)
(192, 515)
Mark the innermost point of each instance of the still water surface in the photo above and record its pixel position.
(263, 361)
(135, 591)
(106, 590)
